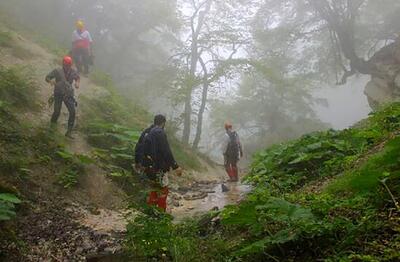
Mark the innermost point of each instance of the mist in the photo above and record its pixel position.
(258, 64)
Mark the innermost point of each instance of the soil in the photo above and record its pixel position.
(90, 220)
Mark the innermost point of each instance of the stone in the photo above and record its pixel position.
(378, 91)
(224, 188)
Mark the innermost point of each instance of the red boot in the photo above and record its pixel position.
(153, 198)
(162, 199)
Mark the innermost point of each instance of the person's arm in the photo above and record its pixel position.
(77, 79)
(240, 146)
(90, 43)
(225, 144)
(166, 152)
(51, 77)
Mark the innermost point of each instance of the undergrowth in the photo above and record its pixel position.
(113, 125)
(328, 196)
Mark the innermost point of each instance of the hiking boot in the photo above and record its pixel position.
(69, 134)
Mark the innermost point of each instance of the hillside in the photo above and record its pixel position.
(328, 196)
(63, 199)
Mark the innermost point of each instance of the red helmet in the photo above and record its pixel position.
(67, 61)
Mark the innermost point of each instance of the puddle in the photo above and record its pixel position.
(218, 199)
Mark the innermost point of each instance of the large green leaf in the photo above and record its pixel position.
(9, 198)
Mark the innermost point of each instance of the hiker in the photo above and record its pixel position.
(62, 79)
(82, 48)
(232, 151)
(157, 162)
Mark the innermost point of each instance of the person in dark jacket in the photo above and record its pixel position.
(62, 79)
(157, 161)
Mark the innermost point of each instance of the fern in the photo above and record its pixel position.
(7, 206)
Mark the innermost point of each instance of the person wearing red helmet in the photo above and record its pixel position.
(63, 80)
(232, 151)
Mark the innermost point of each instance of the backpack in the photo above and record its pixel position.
(149, 149)
(139, 148)
(64, 87)
(233, 149)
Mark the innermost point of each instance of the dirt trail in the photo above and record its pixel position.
(95, 212)
(95, 190)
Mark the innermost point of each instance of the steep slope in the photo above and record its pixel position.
(328, 196)
(75, 193)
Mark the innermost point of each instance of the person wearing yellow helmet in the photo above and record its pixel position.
(82, 44)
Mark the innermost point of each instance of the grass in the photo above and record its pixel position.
(6, 39)
(111, 107)
(352, 216)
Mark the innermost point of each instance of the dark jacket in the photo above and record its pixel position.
(71, 75)
(139, 148)
(157, 152)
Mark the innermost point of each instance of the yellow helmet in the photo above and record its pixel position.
(79, 24)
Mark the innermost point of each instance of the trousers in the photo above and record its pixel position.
(69, 102)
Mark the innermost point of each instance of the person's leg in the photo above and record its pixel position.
(152, 199)
(162, 199)
(230, 165)
(77, 59)
(57, 108)
(85, 61)
(235, 172)
(70, 104)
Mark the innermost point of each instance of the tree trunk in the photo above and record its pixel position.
(202, 106)
(194, 59)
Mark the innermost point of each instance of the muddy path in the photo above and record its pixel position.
(75, 224)
(197, 193)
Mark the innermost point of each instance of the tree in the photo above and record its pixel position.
(348, 36)
(216, 34)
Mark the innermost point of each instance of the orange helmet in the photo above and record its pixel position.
(67, 60)
(228, 125)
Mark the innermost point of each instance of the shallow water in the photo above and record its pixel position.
(217, 199)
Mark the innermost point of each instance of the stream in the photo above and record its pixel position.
(193, 201)
(210, 197)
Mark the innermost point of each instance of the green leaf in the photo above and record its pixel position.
(10, 198)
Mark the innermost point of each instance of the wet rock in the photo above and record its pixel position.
(176, 197)
(183, 190)
(208, 191)
(195, 196)
(224, 188)
(175, 203)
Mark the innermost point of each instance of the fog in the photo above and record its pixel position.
(275, 69)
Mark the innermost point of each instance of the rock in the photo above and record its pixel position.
(378, 92)
(183, 190)
(196, 196)
(175, 203)
(209, 191)
(176, 197)
(224, 188)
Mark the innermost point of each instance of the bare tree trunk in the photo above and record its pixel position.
(187, 119)
(202, 106)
